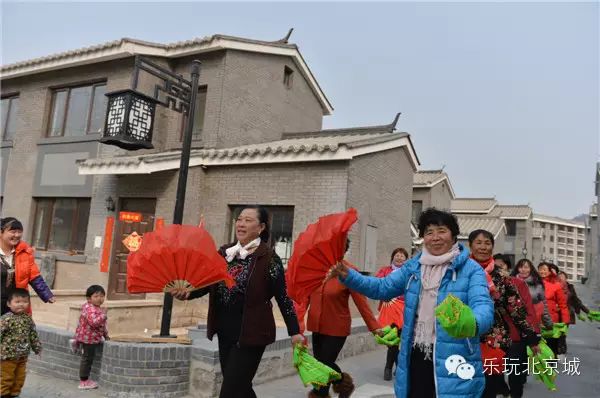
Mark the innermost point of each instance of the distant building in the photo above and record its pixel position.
(562, 242)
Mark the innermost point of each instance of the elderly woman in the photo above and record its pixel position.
(434, 361)
(557, 304)
(514, 319)
(18, 264)
(242, 317)
(397, 260)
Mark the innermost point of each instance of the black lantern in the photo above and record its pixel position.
(129, 120)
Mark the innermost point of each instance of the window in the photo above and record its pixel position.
(580, 242)
(561, 263)
(77, 111)
(551, 238)
(281, 222)
(542, 225)
(569, 252)
(288, 77)
(198, 116)
(561, 252)
(561, 240)
(580, 266)
(551, 250)
(511, 227)
(8, 120)
(579, 254)
(61, 224)
(569, 229)
(561, 228)
(417, 209)
(570, 241)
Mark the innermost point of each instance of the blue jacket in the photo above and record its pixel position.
(466, 280)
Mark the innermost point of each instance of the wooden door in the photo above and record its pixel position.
(117, 284)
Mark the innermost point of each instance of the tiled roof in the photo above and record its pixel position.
(468, 224)
(126, 40)
(330, 145)
(127, 47)
(557, 220)
(472, 205)
(511, 211)
(427, 177)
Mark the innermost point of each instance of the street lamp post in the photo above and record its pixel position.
(130, 120)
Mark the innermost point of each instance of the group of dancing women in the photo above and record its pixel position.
(503, 309)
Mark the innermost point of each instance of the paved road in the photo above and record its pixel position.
(367, 369)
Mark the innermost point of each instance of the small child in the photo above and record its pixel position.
(90, 332)
(17, 338)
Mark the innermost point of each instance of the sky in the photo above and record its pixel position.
(503, 96)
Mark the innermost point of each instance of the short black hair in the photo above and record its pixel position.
(506, 259)
(10, 224)
(486, 234)
(17, 292)
(433, 216)
(94, 289)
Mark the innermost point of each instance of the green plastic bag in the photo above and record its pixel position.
(312, 371)
(581, 317)
(557, 330)
(390, 338)
(594, 316)
(456, 317)
(538, 364)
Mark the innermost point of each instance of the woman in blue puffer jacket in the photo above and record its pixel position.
(433, 361)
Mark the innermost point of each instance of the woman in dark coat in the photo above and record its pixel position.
(242, 317)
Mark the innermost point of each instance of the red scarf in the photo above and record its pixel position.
(488, 266)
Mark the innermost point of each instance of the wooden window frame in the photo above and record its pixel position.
(46, 229)
(8, 97)
(66, 110)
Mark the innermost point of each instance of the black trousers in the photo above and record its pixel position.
(517, 375)
(392, 356)
(421, 379)
(558, 346)
(326, 350)
(238, 365)
(87, 360)
(494, 385)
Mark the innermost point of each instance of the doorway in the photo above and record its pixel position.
(140, 220)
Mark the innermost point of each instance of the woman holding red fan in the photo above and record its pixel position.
(399, 257)
(329, 320)
(242, 316)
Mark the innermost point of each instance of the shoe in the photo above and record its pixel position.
(387, 374)
(345, 387)
(87, 385)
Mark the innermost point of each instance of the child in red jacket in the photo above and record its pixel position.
(90, 333)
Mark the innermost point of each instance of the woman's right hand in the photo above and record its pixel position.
(338, 270)
(180, 294)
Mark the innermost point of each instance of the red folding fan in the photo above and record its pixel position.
(176, 257)
(319, 247)
(392, 312)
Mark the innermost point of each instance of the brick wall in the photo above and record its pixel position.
(380, 188)
(314, 189)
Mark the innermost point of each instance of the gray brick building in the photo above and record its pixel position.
(258, 139)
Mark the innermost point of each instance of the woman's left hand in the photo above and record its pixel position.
(52, 300)
(379, 332)
(298, 339)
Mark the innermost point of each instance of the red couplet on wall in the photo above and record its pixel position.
(108, 229)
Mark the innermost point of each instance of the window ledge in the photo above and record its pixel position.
(68, 140)
(60, 256)
(6, 144)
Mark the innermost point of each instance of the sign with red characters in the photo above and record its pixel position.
(129, 216)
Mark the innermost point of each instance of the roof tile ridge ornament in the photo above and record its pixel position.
(285, 39)
(393, 124)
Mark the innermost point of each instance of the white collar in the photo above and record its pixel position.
(241, 251)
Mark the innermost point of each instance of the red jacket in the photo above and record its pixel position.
(557, 300)
(28, 273)
(329, 310)
(531, 314)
